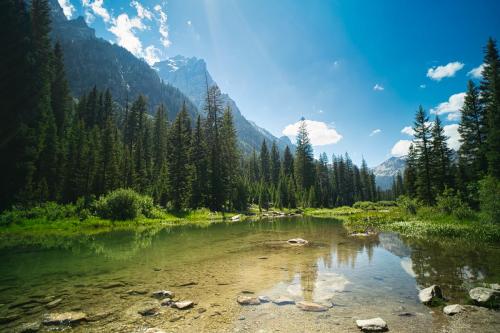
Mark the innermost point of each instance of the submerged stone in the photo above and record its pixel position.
(29, 327)
(264, 299)
(64, 318)
(183, 305)
(372, 325)
(297, 241)
(160, 294)
(310, 306)
(248, 300)
(148, 309)
(54, 303)
(430, 294)
(283, 301)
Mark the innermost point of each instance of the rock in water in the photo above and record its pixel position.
(264, 299)
(248, 300)
(430, 294)
(54, 303)
(372, 325)
(484, 296)
(236, 218)
(297, 241)
(183, 305)
(65, 318)
(283, 301)
(310, 306)
(453, 309)
(148, 310)
(154, 330)
(161, 294)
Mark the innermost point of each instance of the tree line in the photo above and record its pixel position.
(431, 167)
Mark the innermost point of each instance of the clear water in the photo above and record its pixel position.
(362, 277)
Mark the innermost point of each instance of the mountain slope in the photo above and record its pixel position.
(92, 61)
(190, 75)
(387, 170)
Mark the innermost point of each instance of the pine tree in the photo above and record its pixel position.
(440, 158)
(422, 143)
(160, 148)
(60, 98)
(199, 176)
(490, 98)
(472, 132)
(275, 164)
(230, 157)
(288, 162)
(303, 162)
(410, 173)
(265, 167)
(179, 142)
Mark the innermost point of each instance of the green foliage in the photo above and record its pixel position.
(489, 199)
(409, 205)
(450, 203)
(124, 204)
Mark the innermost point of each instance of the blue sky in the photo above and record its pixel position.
(357, 70)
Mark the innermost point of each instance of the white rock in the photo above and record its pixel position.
(372, 325)
(453, 309)
(484, 295)
(297, 241)
(310, 306)
(429, 294)
(248, 300)
(236, 218)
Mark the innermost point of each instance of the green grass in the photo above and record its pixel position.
(428, 222)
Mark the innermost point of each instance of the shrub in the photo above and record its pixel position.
(124, 204)
(450, 203)
(489, 199)
(408, 204)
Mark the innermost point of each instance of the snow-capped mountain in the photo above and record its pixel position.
(190, 76)
(387, 170)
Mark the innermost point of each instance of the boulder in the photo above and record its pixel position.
(64, 318)
(495, 286)
(430, 294)
(161, 294)
(450, 310)
(484, 296)
(297, 241)
(183, 305)
(310, 306)
(236, 218)
(283, 301)
(248, 300)
(372, 325)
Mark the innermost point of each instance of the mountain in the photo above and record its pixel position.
(91, 61)
(387, 170)
(190, 75)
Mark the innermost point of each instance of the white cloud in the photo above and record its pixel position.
(89, 17)
(97, 8)
(319, 132)
(375, 132)
(67, 7)
(451, 131)
(400, 148)
(151, 55)
(142, 12)
(123, 28)
(422, 86)
(477, 72)
(454, 116)
(439, 72)
(452, 107)
(163, 27)
(378, 87)
(408, 130)
(188, 22)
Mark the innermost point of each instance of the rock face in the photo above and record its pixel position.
(283, 301)
(310, 306)
(297, 241)
(65, 318)
(161, 294)
(450, 310)
(248, 300)
(372, 325)
(483, 296)
(183, 305)
(430, 294)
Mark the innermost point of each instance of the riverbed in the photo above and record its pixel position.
(110, 277)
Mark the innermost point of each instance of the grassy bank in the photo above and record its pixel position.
(425, 222)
